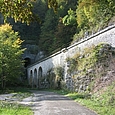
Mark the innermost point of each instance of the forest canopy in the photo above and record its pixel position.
(21, 10)
(60, 22)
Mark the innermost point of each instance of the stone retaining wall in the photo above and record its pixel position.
(59, 59)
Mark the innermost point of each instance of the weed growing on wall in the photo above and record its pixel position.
(59, 72)
(55, 77)
(51, 78)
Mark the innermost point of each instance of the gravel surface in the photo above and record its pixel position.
(50, 103)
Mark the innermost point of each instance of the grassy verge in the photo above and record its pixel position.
(14, 109)
(8, 108)
(103, 105)
(19, 92)
(97, 105)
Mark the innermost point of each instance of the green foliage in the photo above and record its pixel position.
(54, 32)
(88, 65)
(90, 16)
(78, 36)
(94, 15)
(30, 34)
(14, 109)
(73, 64)
(53, 4)
(69, 19)
(83, 61)
(51, 78)
(89, 57)
(101, 104)
(47, 31)
(105, 99)
(63, 35)
(59, 72)
(10, 55)
(20, 10)
(11, 108)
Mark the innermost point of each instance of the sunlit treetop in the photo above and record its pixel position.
(53, 4)
(20, 10)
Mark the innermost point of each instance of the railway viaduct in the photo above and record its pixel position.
(40, 68)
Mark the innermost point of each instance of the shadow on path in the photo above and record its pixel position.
(50, 103)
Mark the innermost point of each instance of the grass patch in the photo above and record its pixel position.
(13, 90)
(20, 95)
(8, 108)
(14, 109)
(19, 92)
(101, 107)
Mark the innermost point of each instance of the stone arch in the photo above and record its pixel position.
(35, 77)
(31, 78)
(40, 72)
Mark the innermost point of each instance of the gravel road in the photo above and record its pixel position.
(50, 103)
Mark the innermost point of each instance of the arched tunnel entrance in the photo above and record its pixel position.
(40, 72)
(27, 62)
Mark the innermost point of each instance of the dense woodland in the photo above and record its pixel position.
(66, 22)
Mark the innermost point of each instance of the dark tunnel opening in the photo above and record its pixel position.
(27, 62)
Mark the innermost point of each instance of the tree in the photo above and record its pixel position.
(53, 31)
(94, 12)
(64, 34)
(10, 55)
(20, 10)
(53, 4)
(70, 19)
(47, 31)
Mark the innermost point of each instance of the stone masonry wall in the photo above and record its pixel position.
(94, 69)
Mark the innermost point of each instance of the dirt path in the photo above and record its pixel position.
(50, 103)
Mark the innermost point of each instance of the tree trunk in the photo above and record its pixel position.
(3, 83)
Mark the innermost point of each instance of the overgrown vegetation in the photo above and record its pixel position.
(102, 104)
(14, 109)
(92, 16)
(10, 107)
(54, 78)
(59, 72)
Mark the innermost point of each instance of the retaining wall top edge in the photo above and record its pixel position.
(91, 36)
